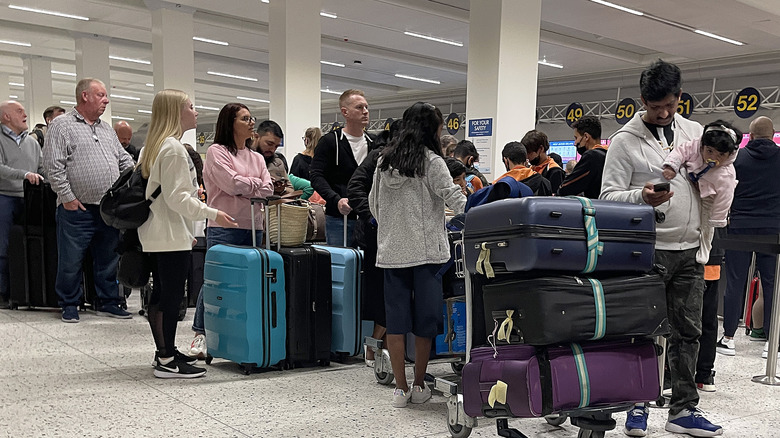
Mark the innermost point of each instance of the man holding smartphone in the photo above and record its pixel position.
(632, 169)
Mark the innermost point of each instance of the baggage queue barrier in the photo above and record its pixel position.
(766, 244)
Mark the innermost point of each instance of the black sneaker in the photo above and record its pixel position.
(177, 369)
(178, 356)
(706, 383)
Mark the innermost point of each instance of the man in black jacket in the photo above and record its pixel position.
(337, 155)
(586, 176)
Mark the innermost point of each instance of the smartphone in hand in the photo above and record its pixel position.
(661, 187)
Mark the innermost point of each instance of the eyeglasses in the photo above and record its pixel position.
(249, 119)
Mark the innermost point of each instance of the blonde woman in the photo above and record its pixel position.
(166, 234)
(302, 161)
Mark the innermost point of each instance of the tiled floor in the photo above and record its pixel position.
(94, 379)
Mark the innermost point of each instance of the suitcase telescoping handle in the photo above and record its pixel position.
(345, 230)
(263, 201)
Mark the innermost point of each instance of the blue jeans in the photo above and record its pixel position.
(334, 231)
(737, 264)
(77, 232)
(226, 236)
(10, 208)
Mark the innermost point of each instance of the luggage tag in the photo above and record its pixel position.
(504, 330)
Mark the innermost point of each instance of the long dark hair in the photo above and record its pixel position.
(224, 129)
(406, 151)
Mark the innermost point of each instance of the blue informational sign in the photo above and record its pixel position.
(481, 127)
(565, 149)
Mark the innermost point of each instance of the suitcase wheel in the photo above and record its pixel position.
(556, 419)
(458, 430)
(209, 358)
(384, 378)
(247, 368)
(587, 433)
(324, 362)
(457, 367)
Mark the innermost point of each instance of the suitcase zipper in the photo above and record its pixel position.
(549, 232)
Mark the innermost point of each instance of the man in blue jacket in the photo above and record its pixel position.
(755, 211)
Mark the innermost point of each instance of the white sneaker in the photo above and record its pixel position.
(420, 395)
(198, 347)
(765, 353)
(726, 346)
(401, 398)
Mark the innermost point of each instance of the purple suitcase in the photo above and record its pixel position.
(542, 381)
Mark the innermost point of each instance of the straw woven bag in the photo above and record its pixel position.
(294, 217)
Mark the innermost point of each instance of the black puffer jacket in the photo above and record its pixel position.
(357, 191)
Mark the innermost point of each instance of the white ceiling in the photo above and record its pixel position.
(601, 48)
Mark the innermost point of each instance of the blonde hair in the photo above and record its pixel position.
(345, 96)
(166, 122)
(84, 85)
(312, 137)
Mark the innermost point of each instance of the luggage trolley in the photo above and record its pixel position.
(383, 371)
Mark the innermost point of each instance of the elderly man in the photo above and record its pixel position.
(20, 159)
(125, 133)
(82, 158)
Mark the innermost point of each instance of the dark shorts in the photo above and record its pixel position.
(413, 300)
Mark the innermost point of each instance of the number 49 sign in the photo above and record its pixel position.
(573, 113)
(746, 102)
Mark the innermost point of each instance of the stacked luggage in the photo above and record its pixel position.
(565, 302)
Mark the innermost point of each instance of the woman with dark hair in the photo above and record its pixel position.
(232, 175)
(411, 187)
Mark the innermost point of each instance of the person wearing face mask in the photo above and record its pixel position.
(586, 176)
(537, 145)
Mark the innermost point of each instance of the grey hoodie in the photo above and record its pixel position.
(634, 158)
(410, 215)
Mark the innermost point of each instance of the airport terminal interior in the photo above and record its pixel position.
(94, 379)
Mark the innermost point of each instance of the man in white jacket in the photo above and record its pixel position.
(634, 164)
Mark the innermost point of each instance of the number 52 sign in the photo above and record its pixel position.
(746, 102)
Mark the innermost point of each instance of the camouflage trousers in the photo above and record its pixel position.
(684, 280)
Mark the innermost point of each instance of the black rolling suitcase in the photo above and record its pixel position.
(307, 272)
(195, 274)
(146, 295)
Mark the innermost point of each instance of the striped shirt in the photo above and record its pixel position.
(82, 161)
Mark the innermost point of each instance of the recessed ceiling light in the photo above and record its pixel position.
(144, 111)
(16, 84)
(149, 85)
(432, 38)
(253, 99)
(227, 75)
(618, 7)
(15, 43)
(331, 92)
(210, 108)
(122, 118)
(328, 15)
(206, 40)
(67, 102)
(718, 37)
(430, 81)
(335, 64)
(64, 73)
(549, 64)
(122, 58)
(120, 96)
(44, 11)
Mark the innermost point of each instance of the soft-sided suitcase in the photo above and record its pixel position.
(347, 287)
(560, 234)
(549, 310)
(542, 381)
(244, 304)
(307, 273)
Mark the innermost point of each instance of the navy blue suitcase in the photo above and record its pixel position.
(569, 234)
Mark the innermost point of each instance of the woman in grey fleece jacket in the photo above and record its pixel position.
(411, 186)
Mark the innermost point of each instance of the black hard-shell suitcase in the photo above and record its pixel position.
(549, 310)
(146, 295)
(195, 274)
(552, 233)
(307, 273)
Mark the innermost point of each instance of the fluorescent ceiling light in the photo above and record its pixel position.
(43, 11)
(331, 92)
(328, 15)
(15, 43)
(264, 1)
(549, 64)
(206, 40)
(210, 108)
(119, 96)
(64, 73)
(226, 75)
(430, 81)
(16, 84)
(122, 118)
(253, 99)
(144, 111)
(67, 102)
(13, 96)
(122, 58)
(335, 64)
(718, 37)
(618, 7)
(431, 38)
(149, 85)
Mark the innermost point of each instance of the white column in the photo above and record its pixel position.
(5, 90)
(92, 62)
(502, 79)
(37, 88)
(294, 43)
(173, 54)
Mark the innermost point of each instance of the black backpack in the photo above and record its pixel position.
(124, 206)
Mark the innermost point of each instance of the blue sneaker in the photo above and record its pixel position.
(636, 421)
(692, 422)
(114, 311)
(70, 314)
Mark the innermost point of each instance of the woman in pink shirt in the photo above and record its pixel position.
(232, 175)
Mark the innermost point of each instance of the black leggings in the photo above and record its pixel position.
(169, 272)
